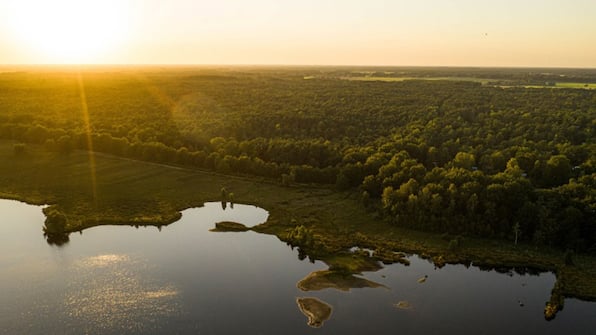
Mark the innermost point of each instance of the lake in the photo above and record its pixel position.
(185, 279)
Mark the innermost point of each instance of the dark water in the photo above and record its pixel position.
(185, 279)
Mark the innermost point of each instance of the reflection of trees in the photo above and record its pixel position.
(520, 270)
(527, 270)
(302, 255)
(57, 239)
(55, 226)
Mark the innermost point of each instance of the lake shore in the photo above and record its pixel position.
(112, 190)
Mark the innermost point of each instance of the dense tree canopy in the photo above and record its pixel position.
(443, 155)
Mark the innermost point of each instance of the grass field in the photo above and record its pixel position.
(483, 81)
(590, 86)
(124, 191)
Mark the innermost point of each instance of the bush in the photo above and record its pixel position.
(302, 237)
(55, 221)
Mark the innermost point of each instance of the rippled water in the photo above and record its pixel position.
(186, 279)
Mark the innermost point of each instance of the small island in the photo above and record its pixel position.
(315, 310)
(320, 280)
(229, 226)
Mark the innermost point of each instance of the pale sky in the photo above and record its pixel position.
(539, 33)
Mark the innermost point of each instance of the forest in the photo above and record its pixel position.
(490, 158)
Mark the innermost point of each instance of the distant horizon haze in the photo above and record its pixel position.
(435, 33)
(255, 65)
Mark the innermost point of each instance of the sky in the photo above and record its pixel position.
(536, 33)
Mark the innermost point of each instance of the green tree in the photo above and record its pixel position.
(464, 160)
(557, 170)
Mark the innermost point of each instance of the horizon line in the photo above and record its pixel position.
(180, 65)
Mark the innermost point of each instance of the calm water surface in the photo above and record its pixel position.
(185, 279)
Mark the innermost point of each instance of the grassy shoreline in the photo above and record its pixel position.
(128, 192)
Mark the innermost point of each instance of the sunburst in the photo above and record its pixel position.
(70, 31)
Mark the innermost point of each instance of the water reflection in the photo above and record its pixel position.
(57, 239)
(103, 260)
(109, 292)
(345, 273)
(187, 280)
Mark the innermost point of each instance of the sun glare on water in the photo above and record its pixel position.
(70, 31)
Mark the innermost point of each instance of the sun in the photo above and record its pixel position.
(70, 31)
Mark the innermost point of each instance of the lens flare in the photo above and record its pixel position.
(87, 125)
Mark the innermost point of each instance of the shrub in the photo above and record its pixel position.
(55, 220)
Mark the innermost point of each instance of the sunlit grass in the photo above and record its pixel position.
(483, 81)
(398, 79)
(577, 85)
